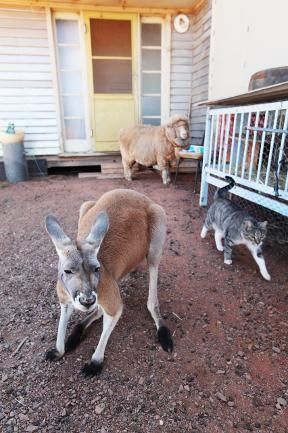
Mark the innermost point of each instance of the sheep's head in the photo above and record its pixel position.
(177, 131)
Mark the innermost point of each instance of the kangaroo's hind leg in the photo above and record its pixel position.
(158, 234)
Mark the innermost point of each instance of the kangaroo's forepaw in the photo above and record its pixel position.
(165, 339)
(53, 355)
(93, 368)
(74, 338)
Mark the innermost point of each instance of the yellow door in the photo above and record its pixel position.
(111, 45)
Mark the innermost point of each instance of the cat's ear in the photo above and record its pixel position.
(263, 225)
(248, 224)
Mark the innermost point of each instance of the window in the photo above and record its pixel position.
(70, 78)
(151, 72)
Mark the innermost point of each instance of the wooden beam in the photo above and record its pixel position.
(70, 5)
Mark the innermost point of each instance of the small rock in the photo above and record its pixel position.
(241, 353)
(31, 428)
(231, 403)
(187, 387)
(220, 372)
(23, 417)
(282, 401)
(276, 349)
(180, 389)
(63, 412)
(141, 380)
(99, 408)
(221, 396)
(161, 422)
(4, 377)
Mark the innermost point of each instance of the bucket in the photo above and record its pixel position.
(14, 157)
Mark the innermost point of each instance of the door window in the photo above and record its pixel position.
(111, 55)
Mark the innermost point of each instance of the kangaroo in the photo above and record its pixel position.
(115, 234)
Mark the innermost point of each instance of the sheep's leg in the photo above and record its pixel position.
(96, 364)
(78, 332)
(58, 352)
(165, 175)
(127, 165)
(154, 257)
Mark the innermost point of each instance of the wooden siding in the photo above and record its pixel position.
(27, 97)
(189, 70)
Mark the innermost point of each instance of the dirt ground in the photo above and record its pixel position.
(229, 369)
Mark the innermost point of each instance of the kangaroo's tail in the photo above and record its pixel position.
(221, 193)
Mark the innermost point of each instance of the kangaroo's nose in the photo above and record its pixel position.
(87, 301)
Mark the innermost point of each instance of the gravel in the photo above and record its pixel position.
(223, 376)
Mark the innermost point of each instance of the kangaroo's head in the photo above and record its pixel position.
(78, 268)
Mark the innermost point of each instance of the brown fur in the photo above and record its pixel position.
(115, 234)
(127, 242)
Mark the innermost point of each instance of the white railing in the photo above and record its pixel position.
(250, 144)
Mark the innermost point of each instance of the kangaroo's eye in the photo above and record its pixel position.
(96, 269)
(68, 271)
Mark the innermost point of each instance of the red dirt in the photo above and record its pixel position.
(229, 365)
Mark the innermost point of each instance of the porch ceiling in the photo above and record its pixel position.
(158, 4)
(186, 6)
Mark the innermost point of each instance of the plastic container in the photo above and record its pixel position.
(196, 149)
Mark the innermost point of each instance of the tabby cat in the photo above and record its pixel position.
(236, 226)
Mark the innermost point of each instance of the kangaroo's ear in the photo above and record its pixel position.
(98, 230)
(56, 233)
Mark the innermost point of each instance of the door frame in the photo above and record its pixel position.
(68, 15)
(134, 18)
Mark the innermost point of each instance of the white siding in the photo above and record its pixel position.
(248, 36)
(190, 68)
(27, 97)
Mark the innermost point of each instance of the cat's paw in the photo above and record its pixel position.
(220, 248)
(228, 262)
(203, 233)
(266, 276)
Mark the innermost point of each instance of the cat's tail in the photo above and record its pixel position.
(221, 193)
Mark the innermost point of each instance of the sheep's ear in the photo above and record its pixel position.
(98, 230)
(170, 132)
(57, 234)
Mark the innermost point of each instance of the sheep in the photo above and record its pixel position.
(149, 145)
(115, 234)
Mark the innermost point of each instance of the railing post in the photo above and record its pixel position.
(204, 184)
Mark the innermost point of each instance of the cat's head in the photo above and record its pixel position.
(254, 231)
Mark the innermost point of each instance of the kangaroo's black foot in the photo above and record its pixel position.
(165, 339)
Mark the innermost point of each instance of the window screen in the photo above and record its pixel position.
(111, 55)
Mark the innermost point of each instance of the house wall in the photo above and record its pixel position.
(28, 92)
(27, 95)
(189, 70)
(248, 36)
